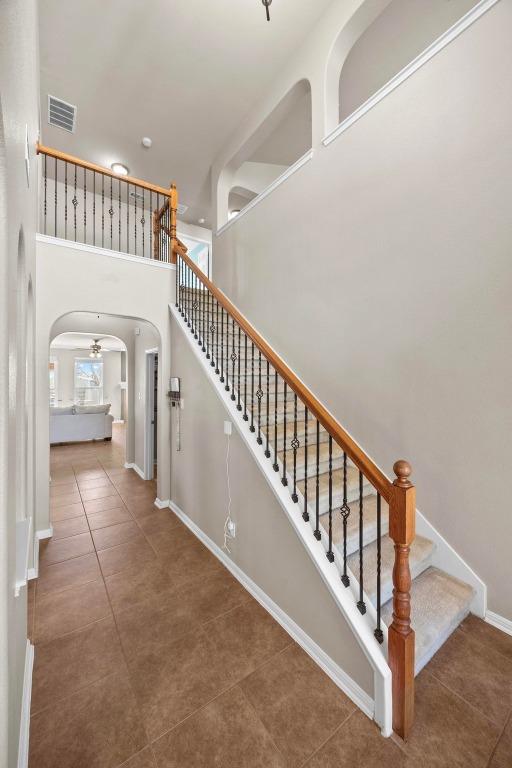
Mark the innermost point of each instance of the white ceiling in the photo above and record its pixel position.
(183, 72)
(84, 340)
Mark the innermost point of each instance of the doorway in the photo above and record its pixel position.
(151, 415)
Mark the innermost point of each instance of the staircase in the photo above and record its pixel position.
(365, 522)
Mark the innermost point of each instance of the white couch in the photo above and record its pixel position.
(78, 423)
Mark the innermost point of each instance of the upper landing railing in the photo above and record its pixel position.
(86, 203)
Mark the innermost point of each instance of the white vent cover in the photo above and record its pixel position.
(61, 114)
(182, 208)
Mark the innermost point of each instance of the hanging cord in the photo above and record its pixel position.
(227, 533)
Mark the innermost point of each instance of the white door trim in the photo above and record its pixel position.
(148, 414)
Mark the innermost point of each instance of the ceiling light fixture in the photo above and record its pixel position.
(267, 3)
(95, 352)
(120, 169)
(146, 142)
(201, 221)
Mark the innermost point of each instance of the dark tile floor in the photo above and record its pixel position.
(150, 655)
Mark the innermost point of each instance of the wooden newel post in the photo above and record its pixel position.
(402, 517)
(173, 210)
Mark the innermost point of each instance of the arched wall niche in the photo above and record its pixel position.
(281, 138)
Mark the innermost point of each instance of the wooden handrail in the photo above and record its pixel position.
(377, 478)
(58, 155)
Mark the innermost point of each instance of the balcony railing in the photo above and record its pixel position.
(89, 204)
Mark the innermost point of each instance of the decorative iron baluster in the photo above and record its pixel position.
(259, 395)
(151, 225)
(330, 553)
(305, 514)
(55, 216)
(212, 331)
(222, 345)
(216, 337)
(94, 207)
(111, 214)
(119, 215)
(295, 445)
(65, 199)
(345, 512)
(379, 635)
(45, 208)
(102, 210)
(252, 427)
(284, 479)
(204, 299)
(233, 359)
(275, 465)
(360, 603)
(267, 449)
(85, 205)
(239, 404)
(75, 203)
(227, 353)
(245, 416)
(127, 218)
(195, 304)
(316, 532)
(135, 221)
(143, 223)
(178, 267)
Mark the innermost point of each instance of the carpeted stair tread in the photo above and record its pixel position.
(419, 559)
(439, 603)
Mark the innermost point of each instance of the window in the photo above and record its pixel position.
(88, 381)
(52, 375)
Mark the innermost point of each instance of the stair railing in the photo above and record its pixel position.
(90, 204)
(259, 381)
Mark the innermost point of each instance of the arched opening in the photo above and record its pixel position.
(281, 139)
(400, 32)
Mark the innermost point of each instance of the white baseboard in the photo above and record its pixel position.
(136, 468)
(41, 535)
(162, 504)
(118, 421)
(45, 533)
(500, 622)
(339, 677)
(25, 707)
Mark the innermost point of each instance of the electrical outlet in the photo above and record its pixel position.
(231, 528)
(227, 427)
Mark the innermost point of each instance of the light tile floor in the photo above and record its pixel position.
(150, 655)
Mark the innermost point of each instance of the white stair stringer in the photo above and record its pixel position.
(362, 626)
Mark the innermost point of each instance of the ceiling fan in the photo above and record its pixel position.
(267, 4)
(95, 349)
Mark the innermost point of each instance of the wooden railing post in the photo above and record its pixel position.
(402, 514)
(173, 210)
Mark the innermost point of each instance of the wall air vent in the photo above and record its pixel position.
(61, 114)
(182, 209)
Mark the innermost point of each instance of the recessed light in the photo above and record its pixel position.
(147, 142)
(120, 169)
(201, 221)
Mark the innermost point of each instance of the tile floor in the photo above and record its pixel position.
(150, 655)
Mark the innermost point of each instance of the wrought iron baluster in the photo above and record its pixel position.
(135, 222)
(178, 267)
(111, 214)
(55, 216)
(102, 210)
(119, 215)
(211, 320)
(330, 553)
(267, 449)
(127, 218)
(252, 427)
(222, 345)
(239, 404)
(66, 200)
(345, 512)
(204, 301)
(94, 207)
(284, 479)
(85, 205)
(295, 445)
(379, 635)
(259, 395)
(245, 416)
(143, 223)
(360, 603)
(233, 360)
(206, 322)
(194, 305)
(226, 387)
(217, 337)
(305, 513)
(75, 203)
(151, 225)
(45, 207)
(275, 465)
(317, 534)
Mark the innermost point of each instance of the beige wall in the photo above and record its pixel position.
(18, 111)
(120, 288)
(391, 297)
(266, 548)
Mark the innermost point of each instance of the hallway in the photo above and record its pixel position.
(149, 653)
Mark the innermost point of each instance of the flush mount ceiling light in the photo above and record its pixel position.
(267, 4)
(120, 169)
